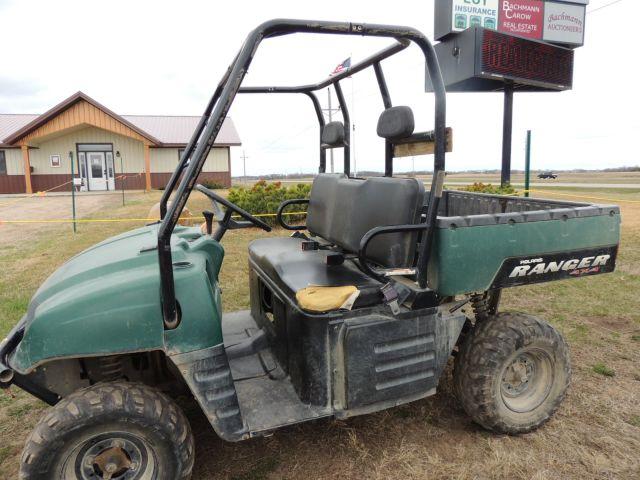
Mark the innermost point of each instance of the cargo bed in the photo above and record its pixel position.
(491, 241)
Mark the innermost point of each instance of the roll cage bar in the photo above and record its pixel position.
(203, 138)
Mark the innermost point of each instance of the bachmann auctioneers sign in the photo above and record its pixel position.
(551, 21)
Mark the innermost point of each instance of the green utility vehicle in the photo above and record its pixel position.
(357, 311)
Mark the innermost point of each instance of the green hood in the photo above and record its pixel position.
(106, 299)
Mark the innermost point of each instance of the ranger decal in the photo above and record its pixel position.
(555, 266)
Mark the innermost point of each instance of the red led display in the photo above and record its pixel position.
(518, 59)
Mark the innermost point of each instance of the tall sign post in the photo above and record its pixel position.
(508, 46)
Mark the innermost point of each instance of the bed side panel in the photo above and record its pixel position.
(468, 258)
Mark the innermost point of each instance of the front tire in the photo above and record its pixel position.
(512, 373)
(116, 430)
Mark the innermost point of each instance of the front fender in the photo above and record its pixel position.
(115, 307)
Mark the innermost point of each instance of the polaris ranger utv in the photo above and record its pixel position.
(359, 313)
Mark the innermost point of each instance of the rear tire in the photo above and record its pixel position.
(512, 373)
(114, 430)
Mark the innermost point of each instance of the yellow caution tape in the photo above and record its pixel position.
(114, 220)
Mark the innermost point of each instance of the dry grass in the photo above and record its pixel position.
(595, 435)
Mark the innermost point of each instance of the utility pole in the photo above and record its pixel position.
(330, 111)
(244, 167)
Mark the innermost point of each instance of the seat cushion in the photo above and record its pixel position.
(292, 269)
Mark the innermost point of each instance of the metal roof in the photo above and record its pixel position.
(165, 130)
(178, 129)
(12, 122)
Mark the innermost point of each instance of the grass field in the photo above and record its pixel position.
(596, 433)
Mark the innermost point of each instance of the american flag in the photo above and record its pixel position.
(346, 65)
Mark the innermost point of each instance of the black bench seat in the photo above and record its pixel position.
(341, 211)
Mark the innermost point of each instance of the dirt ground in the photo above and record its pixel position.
(595, 434)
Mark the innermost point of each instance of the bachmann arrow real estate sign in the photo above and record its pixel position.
(557, 22)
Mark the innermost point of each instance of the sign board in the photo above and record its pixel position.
(564, 23)
(560, 22)
(474, 13)
(522, 17)
(482, 60)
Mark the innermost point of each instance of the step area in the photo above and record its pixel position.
(267, 397)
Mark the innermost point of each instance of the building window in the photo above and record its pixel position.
(110, 164)
(3, 163)
(54, 160)
(82, 164)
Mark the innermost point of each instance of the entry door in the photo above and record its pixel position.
(97, 164)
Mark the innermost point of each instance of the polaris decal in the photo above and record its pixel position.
(555, 266)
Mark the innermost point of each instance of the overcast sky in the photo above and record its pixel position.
(157, 57)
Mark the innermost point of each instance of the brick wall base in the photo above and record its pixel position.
(62, 182)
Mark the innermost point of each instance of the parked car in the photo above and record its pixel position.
(546, 175)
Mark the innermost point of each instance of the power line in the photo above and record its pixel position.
(604, 6)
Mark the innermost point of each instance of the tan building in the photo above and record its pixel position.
(107, 149)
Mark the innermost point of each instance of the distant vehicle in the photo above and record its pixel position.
(545, 175)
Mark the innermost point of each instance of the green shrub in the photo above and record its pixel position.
(212, 184)
(480, 187)
(265, 197)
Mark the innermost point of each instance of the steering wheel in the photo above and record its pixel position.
(225, 222)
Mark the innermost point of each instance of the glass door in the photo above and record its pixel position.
(97, 170)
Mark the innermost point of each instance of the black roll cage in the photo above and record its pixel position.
(203, 138)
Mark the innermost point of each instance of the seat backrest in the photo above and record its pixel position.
(333, 135)
(396, 123)
(341, 210)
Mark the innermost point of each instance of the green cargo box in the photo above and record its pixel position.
(485, 242)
